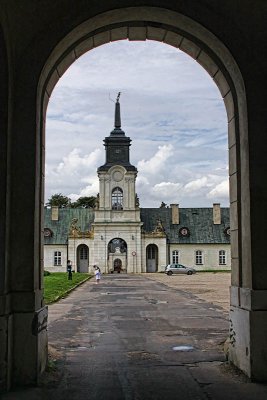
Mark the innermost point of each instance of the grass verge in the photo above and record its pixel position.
(57, 285)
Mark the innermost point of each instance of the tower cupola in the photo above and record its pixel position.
(117, 144)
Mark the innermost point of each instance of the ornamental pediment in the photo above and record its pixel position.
(76, 232)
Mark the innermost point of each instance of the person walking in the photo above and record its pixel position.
(97, 274)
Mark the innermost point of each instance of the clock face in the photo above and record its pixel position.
(117, 176)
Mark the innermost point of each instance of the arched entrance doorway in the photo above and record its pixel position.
(210, 53)
(82, 258)
(117, 266)
(117, 255)
(151, 258)
(58, 52)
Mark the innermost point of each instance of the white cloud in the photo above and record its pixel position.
(73, 172)
(75, 162)
(90, 190)
(221, 191)
(170, 107)
(157, 162)
(161, 189)
(196, 184)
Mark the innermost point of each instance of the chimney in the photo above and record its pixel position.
(175, 213)
(54, 213)
(216, 213)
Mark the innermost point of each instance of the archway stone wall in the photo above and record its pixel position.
(146, 23)
(41, 41)
(5, 318)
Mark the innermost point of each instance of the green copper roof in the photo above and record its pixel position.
(199, 221)
(60, 228)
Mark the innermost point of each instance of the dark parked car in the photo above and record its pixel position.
(179, 269)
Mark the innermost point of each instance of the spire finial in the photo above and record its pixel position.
(117, 112)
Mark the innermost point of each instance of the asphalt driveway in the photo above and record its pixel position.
(132, 337)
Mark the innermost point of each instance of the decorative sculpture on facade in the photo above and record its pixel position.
(75, 231)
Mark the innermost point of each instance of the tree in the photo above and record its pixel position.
(59, 200)
(85, 202)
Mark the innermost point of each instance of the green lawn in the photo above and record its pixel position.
(57, 285)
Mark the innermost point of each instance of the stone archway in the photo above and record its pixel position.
(117, 255)
(3, 152)
(146, 23)
(181, 32)
(56, 53)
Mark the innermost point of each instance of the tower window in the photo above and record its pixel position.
(117, 199)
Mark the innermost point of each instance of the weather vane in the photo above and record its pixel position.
(117, 99)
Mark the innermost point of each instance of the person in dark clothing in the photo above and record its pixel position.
(69, 269)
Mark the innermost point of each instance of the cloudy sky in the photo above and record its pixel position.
(170, 108)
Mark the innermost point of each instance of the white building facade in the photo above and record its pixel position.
(119, 236)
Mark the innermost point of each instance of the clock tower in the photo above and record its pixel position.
(117, 145)
(117, 224)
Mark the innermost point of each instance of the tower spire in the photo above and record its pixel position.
(117, 123)
(117, 120)
(117, 144)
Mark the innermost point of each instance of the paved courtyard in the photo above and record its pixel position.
(208, 286)
(142, 337)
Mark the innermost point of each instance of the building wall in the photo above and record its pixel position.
(136, 252)
(210, 255)
(49, 251)
(74, 243)
(129, 232)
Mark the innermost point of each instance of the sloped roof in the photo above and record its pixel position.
(199, 221)
(60, 228)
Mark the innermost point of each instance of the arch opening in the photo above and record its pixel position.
(152, 258)
(117, 255)
(211, 55)
(82, 258)
(180, 32)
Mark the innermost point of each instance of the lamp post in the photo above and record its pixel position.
(134, 255)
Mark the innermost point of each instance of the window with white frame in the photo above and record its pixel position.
(175, 257)
(57, 258)
(199, 257)
(222, 257)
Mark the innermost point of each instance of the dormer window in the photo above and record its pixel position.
(117, 199)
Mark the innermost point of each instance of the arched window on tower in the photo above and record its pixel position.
(117, 199)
